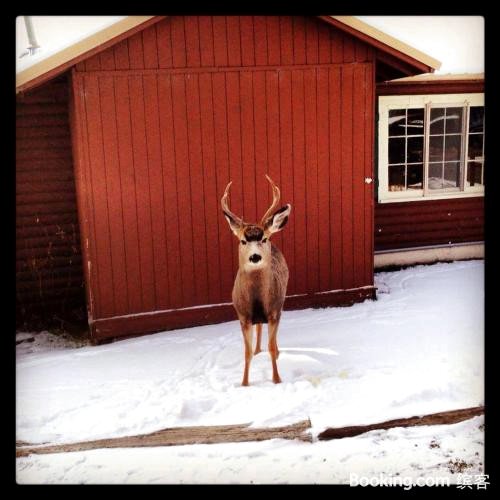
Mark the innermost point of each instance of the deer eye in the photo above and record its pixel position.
(243, 242)
(264, 240)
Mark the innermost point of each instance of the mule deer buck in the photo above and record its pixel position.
(260, 284)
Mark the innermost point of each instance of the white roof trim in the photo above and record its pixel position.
(389, 40)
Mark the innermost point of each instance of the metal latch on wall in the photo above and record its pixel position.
(368, 180)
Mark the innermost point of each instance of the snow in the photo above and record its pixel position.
(441, 183)
(30, 342)
(55, 33)
(456, 41)
(442, 37)
(417, 349)
(416, 452)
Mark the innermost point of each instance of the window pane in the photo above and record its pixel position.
(475, 146)
(397, 121)
(397, 150)
(435, 180)
(397, 178)
(453, 147)
(476, 120)
(453, 120)
(415, 149)
(437, 121)
(474, 171)
(451, 174)
(415, 176)
(436, 148)
(415, 122)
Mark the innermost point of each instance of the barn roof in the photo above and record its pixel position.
(430, 77)
(390, 51)
(433, 84)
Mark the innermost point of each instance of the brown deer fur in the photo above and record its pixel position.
(260, 285)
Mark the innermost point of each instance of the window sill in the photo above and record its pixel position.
(441, 196)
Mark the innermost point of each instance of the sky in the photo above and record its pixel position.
(456, 41)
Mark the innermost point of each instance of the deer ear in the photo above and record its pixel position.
(234, 224)
(278, 220)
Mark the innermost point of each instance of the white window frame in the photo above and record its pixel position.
(387, 103)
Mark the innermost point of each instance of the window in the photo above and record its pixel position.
(431, 146)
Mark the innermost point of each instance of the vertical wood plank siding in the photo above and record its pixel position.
(248, 41)
(49, 279)
(172, 114)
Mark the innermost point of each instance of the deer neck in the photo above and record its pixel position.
(255, 279)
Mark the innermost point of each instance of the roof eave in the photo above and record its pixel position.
(409, 60)
(429, 78)
(61, 61)
(418, 61)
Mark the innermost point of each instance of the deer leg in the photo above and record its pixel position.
(246, 329)
(258, 329)
(273, 348)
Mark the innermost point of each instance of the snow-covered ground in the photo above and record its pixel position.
(417, 349)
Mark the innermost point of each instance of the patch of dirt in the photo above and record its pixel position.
(30, 342)
(458, 465)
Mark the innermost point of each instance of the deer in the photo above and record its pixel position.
(260, 284)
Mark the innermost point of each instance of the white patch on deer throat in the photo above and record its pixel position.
(254, 266)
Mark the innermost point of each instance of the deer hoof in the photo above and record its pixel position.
(245, 383)
(276, 380)
(257, 350)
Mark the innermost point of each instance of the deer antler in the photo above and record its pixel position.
(225, 206)
(276, 200)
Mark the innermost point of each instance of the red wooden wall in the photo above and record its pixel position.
(49, 278)
(165, 119)
(231, 41)
(427, 223)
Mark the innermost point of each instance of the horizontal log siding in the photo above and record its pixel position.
(49, 279)
(425, 223)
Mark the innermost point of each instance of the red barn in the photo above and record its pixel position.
(138, 130)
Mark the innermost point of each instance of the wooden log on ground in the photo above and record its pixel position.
(178, 436)
(445, 417)
(239, 433)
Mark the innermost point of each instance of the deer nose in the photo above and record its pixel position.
(255, 258)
